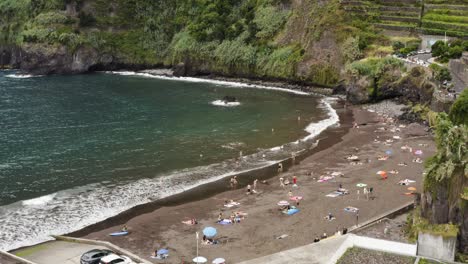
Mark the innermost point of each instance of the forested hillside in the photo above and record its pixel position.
(288, 39)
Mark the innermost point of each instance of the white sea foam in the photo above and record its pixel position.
(315, 129)
(22, 76)
(33, 221)
(223, 103)
(40, 200)
(202, 80)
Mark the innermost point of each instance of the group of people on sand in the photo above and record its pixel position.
(287, 181)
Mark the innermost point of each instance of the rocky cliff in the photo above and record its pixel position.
(292, 40)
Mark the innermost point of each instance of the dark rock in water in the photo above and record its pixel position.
(229, 99)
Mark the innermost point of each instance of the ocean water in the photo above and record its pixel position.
(75, 150)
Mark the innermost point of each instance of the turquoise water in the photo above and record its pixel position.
(106, 142)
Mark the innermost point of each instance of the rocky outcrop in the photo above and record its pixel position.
(357, 91)
(8, 56)
(414, 86)
(441, 205)
(42, 59)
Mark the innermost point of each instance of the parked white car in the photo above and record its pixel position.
(116, 259)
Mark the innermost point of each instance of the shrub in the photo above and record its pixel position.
(86, 19)
(459, 110)
(269, 19)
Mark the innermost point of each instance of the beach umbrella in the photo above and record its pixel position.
(209, 231)
(418, 152)
(361, 185)
(162, 251)
(389, 152)
(381, 173)
(283, 203)
(219, 261)
(411, 189)
(200, 260)
(295, 198)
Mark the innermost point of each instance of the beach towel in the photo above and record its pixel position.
(325, 178)
(229, 205)
(406, 182)
(292, 211)
(334, 194)
(351, 209)
(225, 222)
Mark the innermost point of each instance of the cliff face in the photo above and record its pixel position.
(293, 40)
(441, 205)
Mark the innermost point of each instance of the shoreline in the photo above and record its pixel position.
(221, 186)
(254, 236)
(199, 192)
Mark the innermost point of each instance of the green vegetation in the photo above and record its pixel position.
(451, 50)
(441, 73)
(416, 224)
(459, 110)
(450, 163)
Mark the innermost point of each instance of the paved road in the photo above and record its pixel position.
(56, 252)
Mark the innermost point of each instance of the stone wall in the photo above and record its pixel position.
(438, 247)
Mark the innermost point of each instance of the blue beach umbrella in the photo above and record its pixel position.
(209, 231)
(389, 152)
(162, 251)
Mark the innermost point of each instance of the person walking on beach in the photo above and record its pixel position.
(249, 189)
(290, 193)
(293, 158)
(358, 193)
(294, 181)
(255, 185)
(357, 217)
(280, 167)
(235, 181)
(366, 193)
(281, 182)
(232, 183)
(371, 191)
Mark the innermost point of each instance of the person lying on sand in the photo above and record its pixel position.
(352, 157)
(330, 217)
(240, 213)
(402, 164)
(393, 172)
(382, 158)
(417, 160)
(208, 241)
(192, 221)
(342, 191)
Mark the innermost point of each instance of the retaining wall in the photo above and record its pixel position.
(437, 247)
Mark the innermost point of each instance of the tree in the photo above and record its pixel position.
(439, 48)
(397, 45)
(459, 111)
(455, 52)
(443, 74)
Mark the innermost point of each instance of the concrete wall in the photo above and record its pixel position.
(385, 246)
(374, 244)
(436, 247)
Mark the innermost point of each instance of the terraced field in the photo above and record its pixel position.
(436, 17)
